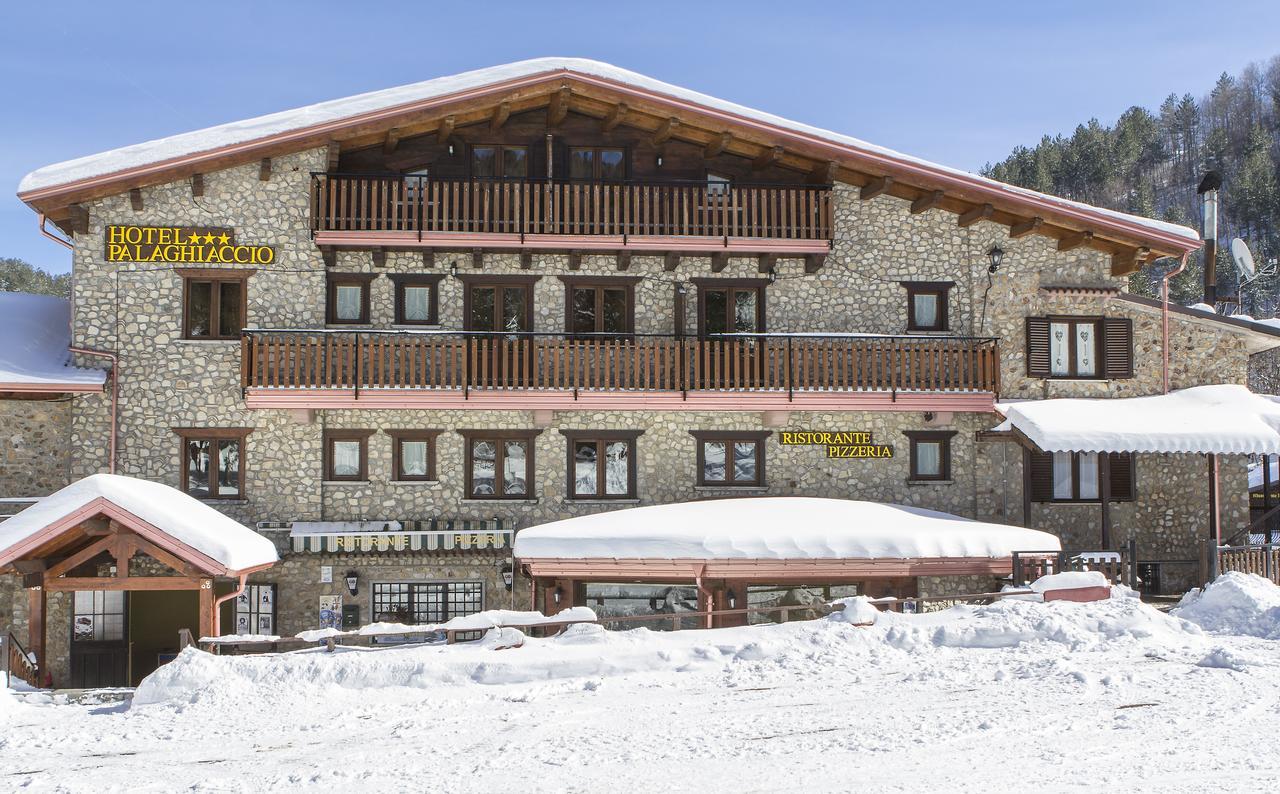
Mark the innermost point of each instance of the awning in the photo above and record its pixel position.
(1221, 419)
(336, 537)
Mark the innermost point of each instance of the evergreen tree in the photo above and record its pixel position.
(17, 275)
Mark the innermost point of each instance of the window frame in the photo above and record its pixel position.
(346, 434)
(599, 284)
(469, 282)
(213, 435)
(402, 280)
(942, 291)
(216, 277)
(398, 437)
(445, 601)
(730, 437)
(730, 285)
(595, 164)
(333, 281)
(1099, 365)
(499, 161)
(1032, 487)
(943, 437)
(601, 438)
(500, 458)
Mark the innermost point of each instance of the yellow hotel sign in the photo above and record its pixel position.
(188, 245)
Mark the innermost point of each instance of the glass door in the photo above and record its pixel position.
(499, 309)
(99, 648)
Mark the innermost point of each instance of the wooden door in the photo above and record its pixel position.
(500, 309)
(99, 639)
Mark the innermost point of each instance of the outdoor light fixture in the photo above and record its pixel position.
(997, 256)
(451, 148)
(352, 581)
(659, 161)
(681, 289)
(773, 275)
(508, 575)
(453, 269)
(733, 599)
(557, 594)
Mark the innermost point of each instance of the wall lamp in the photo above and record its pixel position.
(353, 581)
(996, 255)
(557, 595)
(508, 575)
(453, 268)
(732, 597)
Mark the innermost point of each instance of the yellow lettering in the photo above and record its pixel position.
(115, 235)
(132, 235)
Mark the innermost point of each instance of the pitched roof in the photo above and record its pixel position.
(312, 122)
(36, 330)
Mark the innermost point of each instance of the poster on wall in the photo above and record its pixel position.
(84, 627)
(330, 612)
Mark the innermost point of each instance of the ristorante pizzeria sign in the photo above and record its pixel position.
(189, 245)
(839, 443)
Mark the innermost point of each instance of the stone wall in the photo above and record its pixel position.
(35, 446)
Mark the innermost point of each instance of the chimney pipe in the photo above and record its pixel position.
(1208, 191)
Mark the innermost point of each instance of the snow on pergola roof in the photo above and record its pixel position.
(36, 330)
(776, 528)
(325, 115)
(1221, 419)
(175, 514)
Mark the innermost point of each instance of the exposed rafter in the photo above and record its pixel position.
(1129, 260)
(392, 140)
(1075, 240)
(334, 151)
(978, 213)
(446, 129)
(928, 201)
(526, 259)
(477, 258)
(767, 158)
(717, 145)
(575, 260)
(824, 173)
(135, 199)
(876, 187)
(615, 117)
(500, 115)
(1023, 228)
(670, 261)
(264, 169)
(78, 215)
(766, 262)
(379, 257)
(719, 261)
(197, 185)
(814, 262)
(559, 107)
(624, 260)
(665, 130)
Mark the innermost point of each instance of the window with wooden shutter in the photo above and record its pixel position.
(1123, 477)
(1038, 347)
(1040, 476)
(1117, 347)
(1074, 476)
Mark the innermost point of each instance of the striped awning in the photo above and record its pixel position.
(435, 535)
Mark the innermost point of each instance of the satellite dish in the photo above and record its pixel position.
(1243, 259)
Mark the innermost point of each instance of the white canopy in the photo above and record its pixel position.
(36, 330)
(776, 528)
(1222, 419)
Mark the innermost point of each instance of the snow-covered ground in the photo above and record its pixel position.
(1019, 695)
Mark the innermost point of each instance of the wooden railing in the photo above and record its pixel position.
(18, 663)
(1118, 565)
(1263, 560)
(314, 359)
(380, 203)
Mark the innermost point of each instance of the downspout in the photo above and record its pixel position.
(217, 605)
(115, 395)
(1164, 320)
(52, 236)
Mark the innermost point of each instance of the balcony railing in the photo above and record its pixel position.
(471, 361)
(381, 203)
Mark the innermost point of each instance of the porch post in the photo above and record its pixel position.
(37, 603)
(1104, 477)
(206, 608)
(1026, 487)
(1215, 518)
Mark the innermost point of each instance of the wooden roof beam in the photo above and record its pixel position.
(613, 118)
(500, 115)
(1075, 240)
(824, 173)
(392, 140)
(926, 202)
(978, 213)
(445, 131)
(264, 169)
(665, 130)
(1023, 228)
(332, 155)
(135, 199)
(766, 158)
(197, 185)
(1128, 261)
(717, 145)
(559, 107)
(878, 186)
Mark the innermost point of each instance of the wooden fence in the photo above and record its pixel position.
(373, 203)
(1118, 565)
(468, 360)
(18, 663)
(1263, 560)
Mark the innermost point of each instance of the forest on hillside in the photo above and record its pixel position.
(1151, 161)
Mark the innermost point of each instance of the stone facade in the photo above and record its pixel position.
(167, 382)
(35, 452)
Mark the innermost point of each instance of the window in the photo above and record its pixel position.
(597, 164)
(727, 306)
(346, 455)
(1077, 476)
(413, 455)
(417, 297)
(502, 304)
(499, 162)
(718, 184)
(731, 458)
(927, 305)
(348, 299)
(213, 461)
(213, 303)
(99, 616)
(416, 603)
(602, 465)
(256, 610)
(599, 305)
(499, 464)
(1079, 347)
(930, 454)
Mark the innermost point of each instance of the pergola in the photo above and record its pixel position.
(84, 536)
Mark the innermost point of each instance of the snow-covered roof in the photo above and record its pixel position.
(776, 528)
(1221, 419)
(1256, 480)
(36, 330)
(181, 517)
(386, 102)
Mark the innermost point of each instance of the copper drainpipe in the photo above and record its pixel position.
(115, 395)
(217, 605)
(53, 237)
(1164, 320)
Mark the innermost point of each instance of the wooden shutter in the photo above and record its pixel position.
(1040, 476)
(1117, 348)
(1122, 476)
(1038, 347)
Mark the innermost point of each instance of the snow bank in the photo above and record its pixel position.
(231, 639)
(776, 528)
(1234, 603)
(9, 705)
(36, 330)
(1070, 580)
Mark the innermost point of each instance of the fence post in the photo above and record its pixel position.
(1133, 563)
(1214, 560)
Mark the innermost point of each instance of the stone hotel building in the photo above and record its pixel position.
(389, 332)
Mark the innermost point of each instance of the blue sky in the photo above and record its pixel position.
(959, 83)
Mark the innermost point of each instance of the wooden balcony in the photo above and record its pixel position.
(423, 369)
(414, 211)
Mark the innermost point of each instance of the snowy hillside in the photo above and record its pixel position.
(1109, 695)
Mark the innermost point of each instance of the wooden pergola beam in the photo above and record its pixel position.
(665, 130)
(559, 107)
(767, 158)
(614, 117)
(500, 115)
(718, 144)
(1023, 228)
(878, 186)
(978, 213)
(927, 202)
(1075, 240)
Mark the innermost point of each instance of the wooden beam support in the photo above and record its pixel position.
(1023, 228)
(428, 258)
(1129, 261)
(526, 259)
(624, 260)
(559, 107)
(1075, 240)
(575, 260)
(30, 580)
(766, 158)
(79, 215)
(29, 566)
(926, 202)
(814, 262)
(392, 140)
(206, 617)
(264, 169)
(135, 198)
(37, 613)
(978, 213)
(379, 257)
(445, 131)
(615, 116)
(719, 261)
(130, 583)
(335, 151)
(329, 256)
(197, 185)
(670, 261)
(155, 552)
(717, 145)
(477, 258)
(665, 130)
(766, 262)
(500, 115)
(103, 545)
(878, 186)
(824, 173)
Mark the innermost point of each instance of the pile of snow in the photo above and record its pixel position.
(9, 705)
(232, 639)
(1234, 603)
(1070, 580)
(479, 621)
(37, 333)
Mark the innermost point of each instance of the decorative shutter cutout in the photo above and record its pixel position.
(1122, 476)
(1117, 348)
(1040, 476)
(1038, 347)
